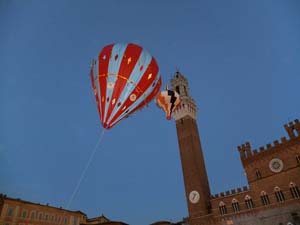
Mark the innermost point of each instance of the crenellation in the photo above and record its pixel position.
(245, 150)
(262, 149)
(283, 140)
(247, 155)
(245, 188)
(297, 127)
(276, 143)
(248, 149)
(293, 129)
(242, 152)
(228, 193)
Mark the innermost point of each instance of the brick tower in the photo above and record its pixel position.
(193, 166)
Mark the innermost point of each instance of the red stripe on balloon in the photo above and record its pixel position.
(103, 60)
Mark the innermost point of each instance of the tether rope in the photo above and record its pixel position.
(85, 169)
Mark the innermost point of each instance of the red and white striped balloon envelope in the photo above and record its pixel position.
(124, 79)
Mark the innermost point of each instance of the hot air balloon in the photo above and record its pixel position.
(124, 79)
(168, 100)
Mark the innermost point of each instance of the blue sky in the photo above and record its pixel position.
(242, 62)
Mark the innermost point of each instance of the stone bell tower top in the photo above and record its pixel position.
(188, 106)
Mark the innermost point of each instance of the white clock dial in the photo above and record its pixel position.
(276, 165)
(194, 197)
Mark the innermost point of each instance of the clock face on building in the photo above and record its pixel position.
(276, 165)
(194, 197)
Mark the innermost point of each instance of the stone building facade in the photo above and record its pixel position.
(20, 212)
(272, 196)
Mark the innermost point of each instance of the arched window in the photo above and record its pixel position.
(75, 221)
(32, 215)
(10, 211)
(185, 91)
(177, 89)
(264, 198)
(248, 202)
(258, 174)
(40, 215)
(24, 214)
(222, 208)
(279, 194)
(294, 190)
(235, 205)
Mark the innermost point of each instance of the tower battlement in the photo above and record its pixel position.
(293, 129)
(230, 192)
(180, 84)
(248, 155)
(187, 106)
